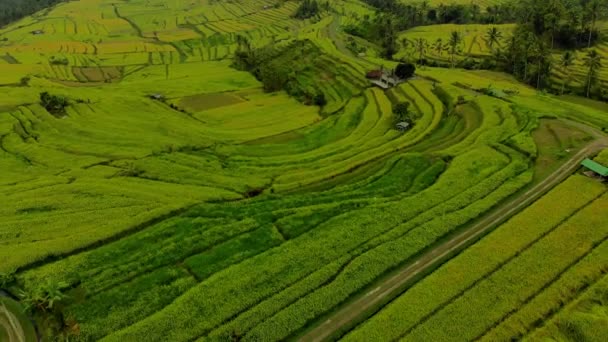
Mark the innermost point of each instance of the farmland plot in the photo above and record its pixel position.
(173, 199)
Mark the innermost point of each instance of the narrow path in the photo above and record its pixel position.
(391, 287)
(11, 325)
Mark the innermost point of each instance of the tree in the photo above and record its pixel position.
(542, 56)
(54, 104)
(554, 14)
(528, 43)
(454, 44)
(404, 43)
(438, 46)
(566, 62)
(493, 36)
(387, 32)
(593, 9)
(421, 45)
(593, 61)
(401, 110)
(405, 70)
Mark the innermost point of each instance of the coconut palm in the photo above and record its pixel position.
(421, 46)
(540, 52)
(566, 62)
(493, 37)
(438, 46)
(404, 43)
(593, 61)
(454, 44)
(594, 8)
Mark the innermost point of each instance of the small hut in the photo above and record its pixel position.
(403, 126)
(37, 32)
(158, 97)
(596, 168)
(374, 74)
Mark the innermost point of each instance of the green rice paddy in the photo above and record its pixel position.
(216, 211)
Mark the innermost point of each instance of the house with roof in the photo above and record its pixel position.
(596, 168)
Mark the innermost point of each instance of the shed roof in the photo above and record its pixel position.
(595, 167)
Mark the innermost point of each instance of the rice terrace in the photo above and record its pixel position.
(303, 170)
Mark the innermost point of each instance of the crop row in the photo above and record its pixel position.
(582, 320)
(274, 269)
(488, 255)
(212, 240)
(518, 281)
(569, 285)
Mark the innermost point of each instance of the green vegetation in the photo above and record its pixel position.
(182, 171)
(581, 319)
(504, 276)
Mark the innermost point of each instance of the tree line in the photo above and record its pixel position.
(543, 27)
(555, 24)
(12, 10)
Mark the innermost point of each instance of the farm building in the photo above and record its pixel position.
(37, 32)
(403, 126)
(597, 168)
(382, 78)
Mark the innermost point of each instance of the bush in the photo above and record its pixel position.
(320, 100)
(405, 70)
(54, 104)
(307, 9)
(401, 110)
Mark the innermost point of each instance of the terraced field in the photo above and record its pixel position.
(175, 200)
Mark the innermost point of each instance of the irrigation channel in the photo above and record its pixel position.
(358, 309)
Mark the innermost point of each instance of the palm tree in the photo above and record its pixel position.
(422, 11)
(594, 7)
(493, 36)
(593, 61)
(540, 51)
(528, 43)
(404, 43)
(421, 45)
(454, 43)
(555, 13)
(566, 62)
(438, 46)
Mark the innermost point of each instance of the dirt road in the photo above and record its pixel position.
(390, 287)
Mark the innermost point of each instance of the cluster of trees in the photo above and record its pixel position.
(309, 9)
(394, 16)
(544, 27)
(409, 15)
(421, 46)
(11, 10)
(278, 67)
(54, 104)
